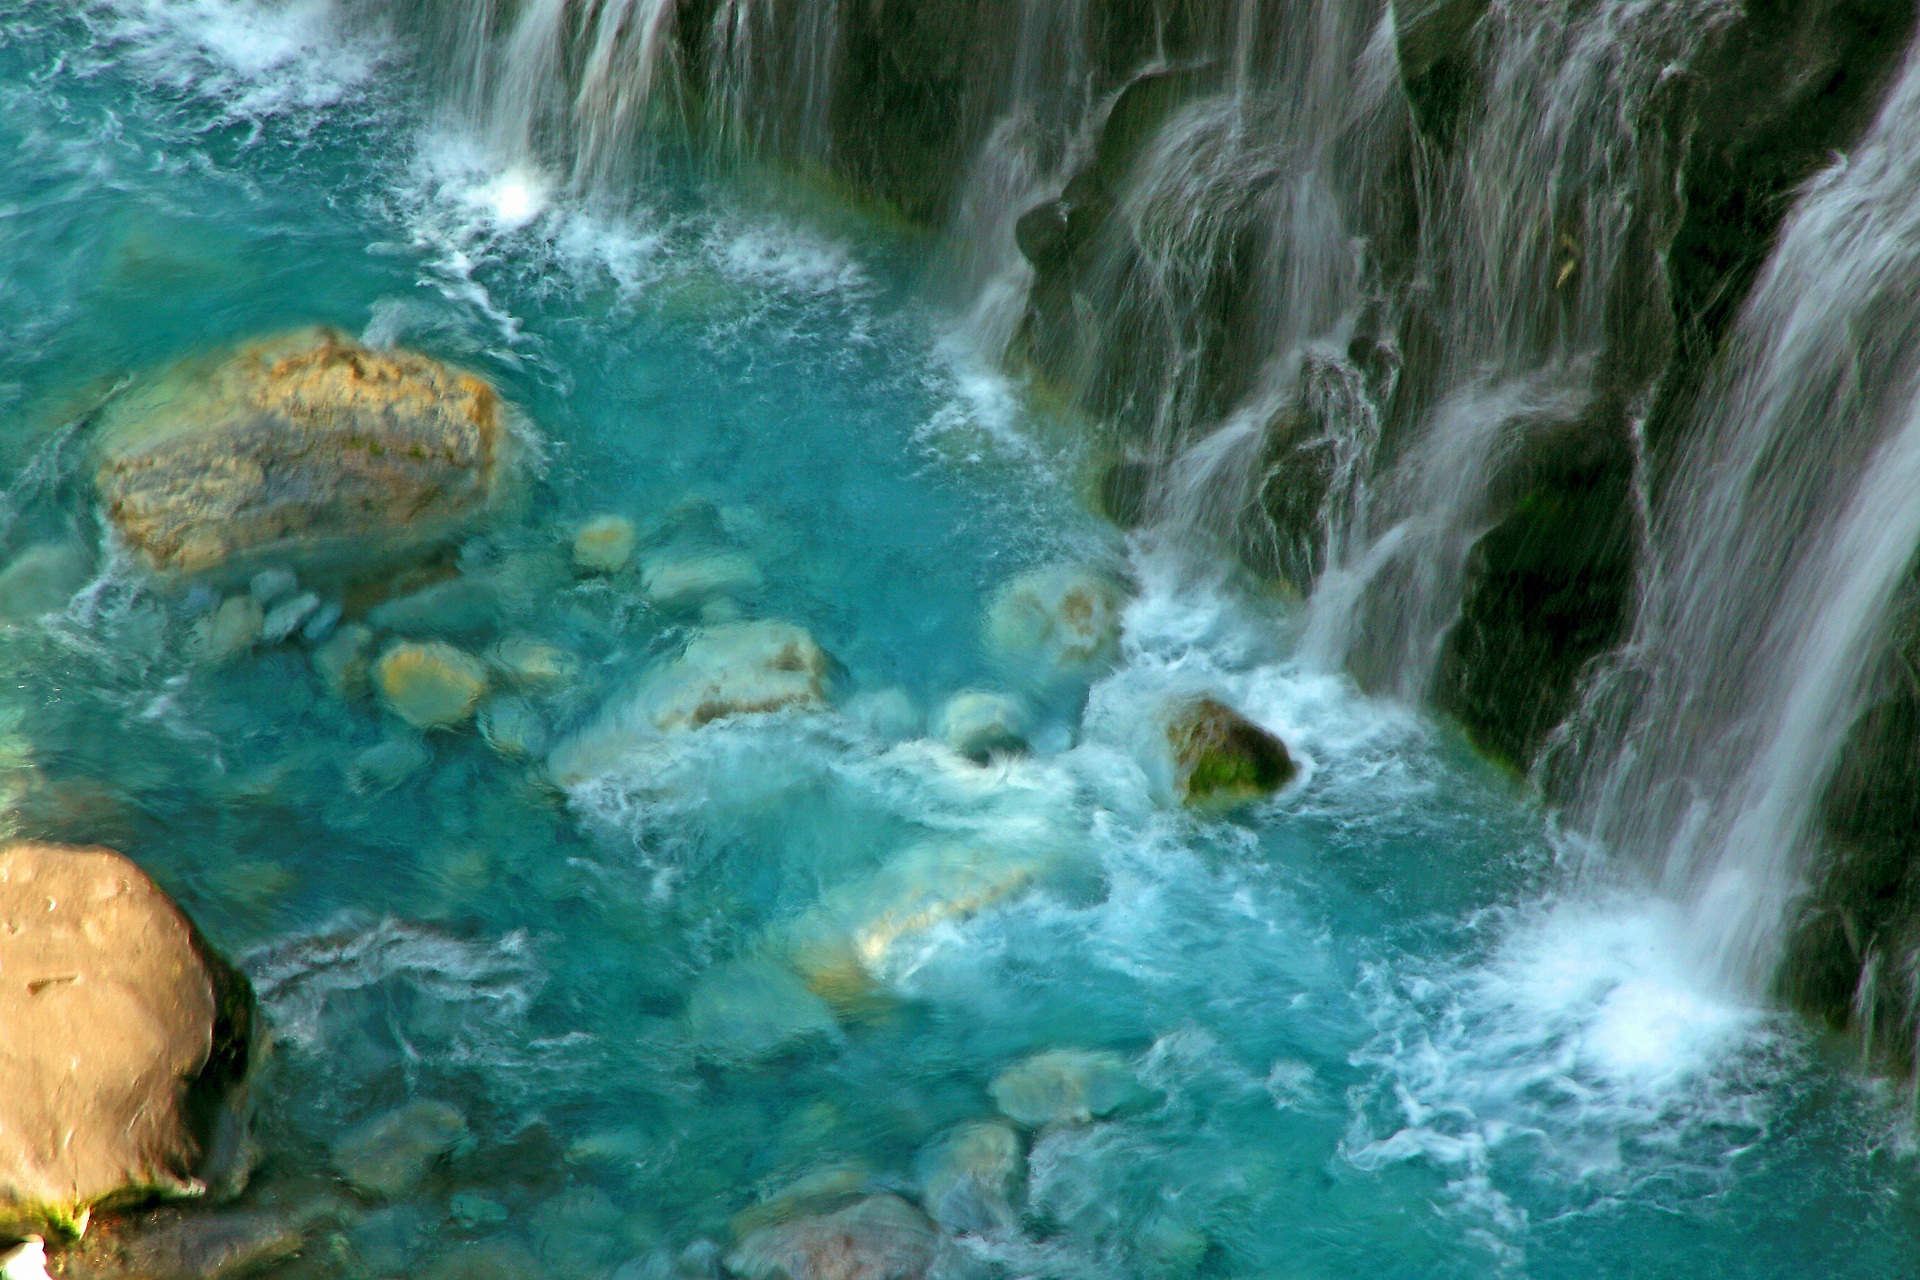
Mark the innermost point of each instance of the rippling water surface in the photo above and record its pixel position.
(1365, 1029)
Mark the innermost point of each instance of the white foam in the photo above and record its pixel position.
(1588, 1038)
(256, 59)
(787, 258)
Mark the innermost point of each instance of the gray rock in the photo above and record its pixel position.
(1058, 621)
(533, 665)
(271, 585)
(41, 580)
(604, 544)
(471, 1210)
(680, 579)
(285, 618)
(322, 623)
(430, 685)
(387, 1157)
(742, 669)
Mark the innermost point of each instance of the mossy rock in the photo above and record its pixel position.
(1222, 759)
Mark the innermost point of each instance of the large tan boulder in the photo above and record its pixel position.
(123, 1042)
(306, 449)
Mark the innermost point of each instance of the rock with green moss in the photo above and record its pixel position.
(1221, 758)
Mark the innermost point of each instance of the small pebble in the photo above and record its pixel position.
(285, 618)
(322, 623)
(270, 585)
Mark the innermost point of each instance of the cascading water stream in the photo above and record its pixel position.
(1528, 229)
(1786, 531)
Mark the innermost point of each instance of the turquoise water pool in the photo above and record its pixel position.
(1371, 1027)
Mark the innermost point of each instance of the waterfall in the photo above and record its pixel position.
(1529, 238)
(1789, 524)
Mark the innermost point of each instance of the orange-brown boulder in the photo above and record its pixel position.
(124, 1042)
(306, 449)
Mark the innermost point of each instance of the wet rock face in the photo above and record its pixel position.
(126, 1042)
(306, 448)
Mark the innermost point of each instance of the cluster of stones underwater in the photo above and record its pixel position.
(406, 595)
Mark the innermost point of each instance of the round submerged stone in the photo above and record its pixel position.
(604, 544)
(305, 449)
(431, 685)
(126, 1042)
(880, 1238)
(1062, 1086)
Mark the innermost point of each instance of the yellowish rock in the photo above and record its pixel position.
(111, 1009)
(306, 448)
(430, 685)
(604, 544)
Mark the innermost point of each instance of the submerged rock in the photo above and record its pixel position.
(741, 669)
(682, 580)
(1057, 621)
(126, 1042)
(41, 580)
(750, 1010)
(604, 544)
(212, 1246)
(287, 617)
(981, 725)
(1221, 758)
(513, 727)
(845, 945)
(344, 661)
(456, 607)
(533, 665)
(305, 448)
(880, 1238)
(431, 685)
(270, 585)
(1062, 1086)
(228, 631)
(387, 1157)
(968, 1178)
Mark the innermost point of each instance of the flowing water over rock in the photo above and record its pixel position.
(757, 848)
